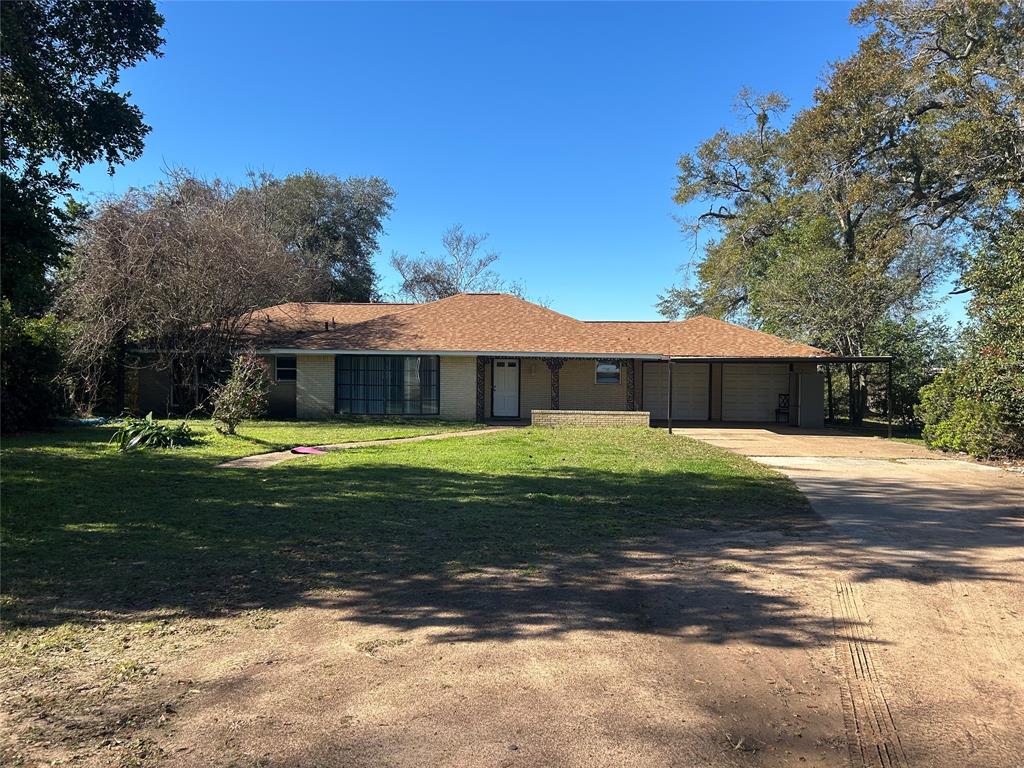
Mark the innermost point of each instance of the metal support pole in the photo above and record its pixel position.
(853, 408)
(670, 397)
(888, 397)
(831, 400)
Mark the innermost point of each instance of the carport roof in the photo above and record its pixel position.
(820, 359)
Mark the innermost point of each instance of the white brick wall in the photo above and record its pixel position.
(314, 387)
(458, 388)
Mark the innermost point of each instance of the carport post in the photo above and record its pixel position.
(888, 395)
(670, 395)
(831, 408)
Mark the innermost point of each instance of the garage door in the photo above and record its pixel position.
(689, 391)
(751, 392)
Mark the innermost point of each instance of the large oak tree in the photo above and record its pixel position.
(847, 217)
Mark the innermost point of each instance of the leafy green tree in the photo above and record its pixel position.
(920, 349)
(820, 227)
(30, 368)
(333, 224)
(924, 120)
(977, 405)
(59, 69)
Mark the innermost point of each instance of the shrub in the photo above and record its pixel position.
(244, 395)
(977, 405)
(953, 422)
(30, 362)
(137, 434)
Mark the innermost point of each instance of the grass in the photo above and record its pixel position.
(88, 531)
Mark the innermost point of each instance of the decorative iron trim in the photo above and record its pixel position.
(554, 365)
(481, 367)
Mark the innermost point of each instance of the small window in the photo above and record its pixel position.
(285, 368)
(607, 372)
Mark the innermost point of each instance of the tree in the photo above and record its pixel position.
(463, 268)
(977, 404)
(175, 269)
(334, 224)
(920, 349)
(924, 121)
(822, 225)
(30, 365)
(244, 395)
(59, 71)
(781, 260)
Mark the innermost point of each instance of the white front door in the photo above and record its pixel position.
(505, 374)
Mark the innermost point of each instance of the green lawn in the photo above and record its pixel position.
(88, 532)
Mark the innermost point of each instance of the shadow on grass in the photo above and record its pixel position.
(476, 555)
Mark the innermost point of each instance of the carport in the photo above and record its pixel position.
(786, 390)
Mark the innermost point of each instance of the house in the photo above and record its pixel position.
(492, 356)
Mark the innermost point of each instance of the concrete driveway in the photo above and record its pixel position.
(927, 553)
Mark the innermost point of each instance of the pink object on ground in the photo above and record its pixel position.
(306, 449)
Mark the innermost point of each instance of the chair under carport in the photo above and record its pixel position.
(784, 399)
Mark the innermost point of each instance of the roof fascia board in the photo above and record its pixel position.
(784, 359)
(458, 353)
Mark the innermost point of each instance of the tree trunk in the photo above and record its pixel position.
(120, 350)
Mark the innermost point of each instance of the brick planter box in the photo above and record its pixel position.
(591, 418)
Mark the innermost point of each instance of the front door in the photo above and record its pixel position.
(505, 386)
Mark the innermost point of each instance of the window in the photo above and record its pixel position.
(401, 385)
(607, 372)
(285, 368)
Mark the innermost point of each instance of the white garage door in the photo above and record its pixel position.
(751, 392)
(689, 391)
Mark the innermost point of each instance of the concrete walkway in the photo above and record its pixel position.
(261, 460)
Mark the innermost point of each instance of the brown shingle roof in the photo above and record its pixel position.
(289, 323)
(498, 323)
(707, 337)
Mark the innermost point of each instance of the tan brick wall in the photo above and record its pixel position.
(458, 388)
(535, 387)
(548, 418)
(314, 387)
(579, 390)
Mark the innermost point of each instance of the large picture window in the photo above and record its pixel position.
(400, 385)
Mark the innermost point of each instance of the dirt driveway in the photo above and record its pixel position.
(928, 560)
(890, 635)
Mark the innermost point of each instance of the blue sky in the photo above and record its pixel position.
(553, 127)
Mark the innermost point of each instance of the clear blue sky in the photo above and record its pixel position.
(553, 127)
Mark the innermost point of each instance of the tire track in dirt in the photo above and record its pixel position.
(872, 738)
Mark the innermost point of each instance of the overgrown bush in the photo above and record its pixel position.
(137, 434)
(977, 404)
(30, 363)
(957, 423)
(244, 395)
